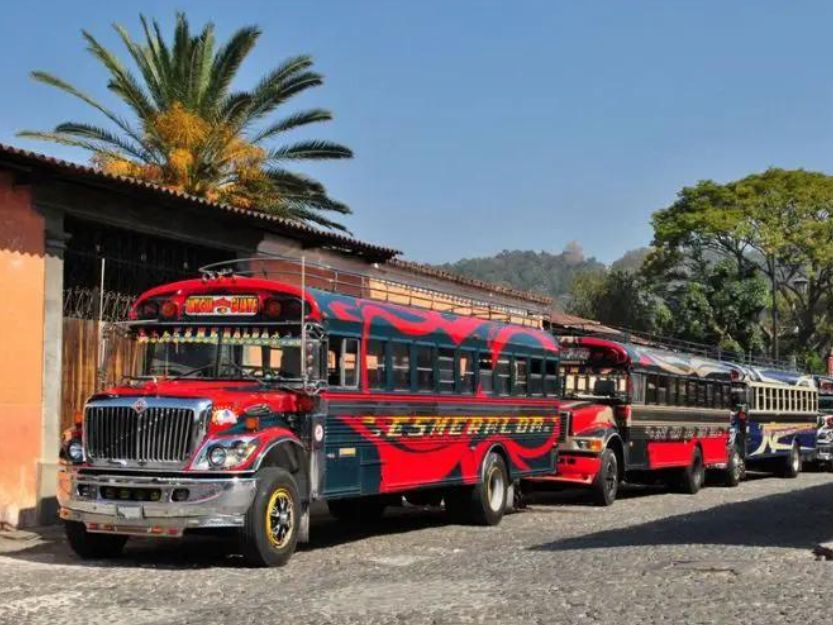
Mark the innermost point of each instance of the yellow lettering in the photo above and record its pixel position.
(438, 429)
(370, 424)
(418, 427)
(490, 427)
(536, 424)
(521, 425)
(456, 427)
(504, 427)
(395, 428)
(474, 426)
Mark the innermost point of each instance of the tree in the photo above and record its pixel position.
(774, 225)
(193, 133)
(617, 298)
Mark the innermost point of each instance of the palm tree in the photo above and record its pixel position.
(193, 133)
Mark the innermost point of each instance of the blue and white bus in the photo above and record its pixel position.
(775, 418)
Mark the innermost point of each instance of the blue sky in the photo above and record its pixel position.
(480, 126)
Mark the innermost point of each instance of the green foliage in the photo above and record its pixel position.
(715, 306)
(542, 272)
(743, 236)
(618, 298)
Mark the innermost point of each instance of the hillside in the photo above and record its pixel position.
(543, 272)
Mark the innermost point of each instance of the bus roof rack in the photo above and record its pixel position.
(689, 347)
(379, 287)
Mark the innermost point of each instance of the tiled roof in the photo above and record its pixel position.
(26, 159)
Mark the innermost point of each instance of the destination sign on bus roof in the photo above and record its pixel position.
(574, 354)
(227, 305)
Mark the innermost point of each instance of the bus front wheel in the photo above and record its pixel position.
(270, 532)
(605, 486)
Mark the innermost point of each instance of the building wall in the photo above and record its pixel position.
(22, 268)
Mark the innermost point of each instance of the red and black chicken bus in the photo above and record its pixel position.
(641, 414)
(251, 398)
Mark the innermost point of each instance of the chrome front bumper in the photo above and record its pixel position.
(215, 502)
(824, 452)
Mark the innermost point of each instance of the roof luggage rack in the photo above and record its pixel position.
(375, 286)
(689, 347)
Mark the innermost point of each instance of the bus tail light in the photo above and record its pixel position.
(169, 309)
(272, 308)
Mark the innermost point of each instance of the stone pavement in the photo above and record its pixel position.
(739, 556)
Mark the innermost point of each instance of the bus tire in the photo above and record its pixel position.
(270, 532)
(692, 478)
(792, 463)
(484, 503)
(735, 468)
(90, 545)
(605, 485)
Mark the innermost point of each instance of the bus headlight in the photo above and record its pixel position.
(226, 453)
(75, 451)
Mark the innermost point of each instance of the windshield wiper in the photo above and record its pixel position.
(186, 374)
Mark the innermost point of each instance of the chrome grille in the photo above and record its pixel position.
(163, 432)
(563, 426)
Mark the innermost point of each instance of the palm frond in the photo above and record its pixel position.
(122, 83)
(312, 150)
(95, 133)
(293, 121)
(147, 62)
(56, 137)
(54, 81)
(225, 65)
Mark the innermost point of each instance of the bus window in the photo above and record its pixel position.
(672, 391)
(662, 389)
(520, 379)
(682, 393)
(425, 368)
(445, 367)
(342, 362)
(550, 377)
(465, 372)
(536, 376)
(401, 365)
(376, 363)
(502, 376)
(651, 390)
(484, 369)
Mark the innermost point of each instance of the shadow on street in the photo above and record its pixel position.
(799, 519)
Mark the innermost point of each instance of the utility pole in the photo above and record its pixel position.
(774, 309)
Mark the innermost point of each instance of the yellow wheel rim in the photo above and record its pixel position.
(280, 518)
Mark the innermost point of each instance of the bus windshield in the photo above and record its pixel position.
(226, 353)
(603, 384)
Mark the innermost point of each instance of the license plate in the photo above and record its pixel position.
(129, 512)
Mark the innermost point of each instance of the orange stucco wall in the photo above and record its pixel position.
(21, 349)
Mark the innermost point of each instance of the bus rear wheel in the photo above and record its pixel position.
(270, 532)
(691, 480)
(484, 503)
(792, 463)
(605, 486)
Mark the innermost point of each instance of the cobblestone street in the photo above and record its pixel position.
(724, 556)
